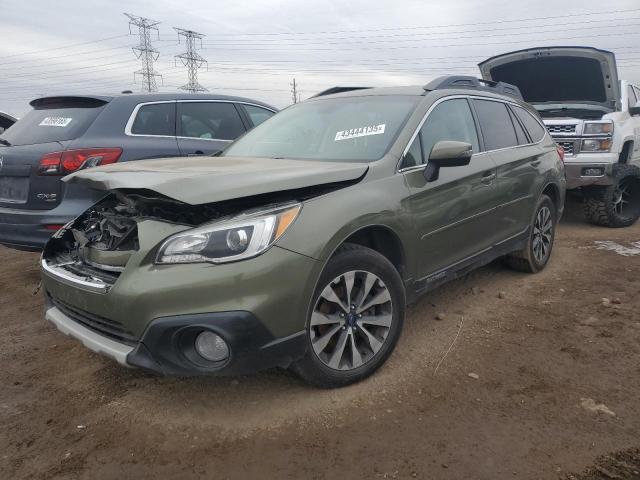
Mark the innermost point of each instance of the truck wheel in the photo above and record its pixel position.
(616, 205)
(535, 255)
(355, 319)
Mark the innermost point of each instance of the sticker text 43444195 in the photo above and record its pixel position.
(360, 132)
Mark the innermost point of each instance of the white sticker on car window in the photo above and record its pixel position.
(360, 132)
(55, 122)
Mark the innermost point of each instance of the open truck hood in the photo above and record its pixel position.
(212, 179)
(552, 75)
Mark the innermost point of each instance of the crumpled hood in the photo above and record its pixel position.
(198, 180)
(558, 74)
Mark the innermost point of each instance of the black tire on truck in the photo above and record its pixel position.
(616, 205)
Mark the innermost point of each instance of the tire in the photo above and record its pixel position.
(616, 205)
(535, 256)
(373, 326)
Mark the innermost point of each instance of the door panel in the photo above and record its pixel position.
(205, 128)
(517, 183)
(454, 215)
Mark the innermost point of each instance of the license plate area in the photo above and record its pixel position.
(14, 189)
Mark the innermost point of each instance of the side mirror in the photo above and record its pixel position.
(447, 154)
(635, 110)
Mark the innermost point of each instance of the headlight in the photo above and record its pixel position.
(598, 128)
(237, 238)
(596, 145)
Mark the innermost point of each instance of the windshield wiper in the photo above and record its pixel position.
(5, 142)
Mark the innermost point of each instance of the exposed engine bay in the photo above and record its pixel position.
(98, 244)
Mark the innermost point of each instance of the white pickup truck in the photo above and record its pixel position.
(589, 112)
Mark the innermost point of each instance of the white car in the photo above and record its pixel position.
(592, 114)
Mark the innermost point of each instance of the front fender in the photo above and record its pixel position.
(325, 222)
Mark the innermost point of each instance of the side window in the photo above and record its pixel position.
(257, 114)
(155, 119)
(413, 156)
(522, 137)
(536, 131)
(637, 92)
(209, 120)
(632, 97)
(495, 122)
(450, 120)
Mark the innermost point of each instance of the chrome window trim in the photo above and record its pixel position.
(484, 152)
(134, 114)
(132, 117)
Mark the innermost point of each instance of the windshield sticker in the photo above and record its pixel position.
(55, 122)
(360, 132)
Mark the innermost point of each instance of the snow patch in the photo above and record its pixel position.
(625, 251)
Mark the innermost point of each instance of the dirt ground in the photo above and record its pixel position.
(542, 382)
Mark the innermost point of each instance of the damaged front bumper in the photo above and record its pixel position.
(163, 349)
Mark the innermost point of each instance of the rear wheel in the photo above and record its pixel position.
(355, 318)
(616, 205)
(535, 256)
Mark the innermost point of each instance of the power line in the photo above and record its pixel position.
(492, 22)
(64, 46)
(191, 59)
(145, 51)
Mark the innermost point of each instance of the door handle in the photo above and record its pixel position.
(535, 163)
(196, 153)
(488, 177)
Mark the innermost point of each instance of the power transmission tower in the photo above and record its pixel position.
(191, 59)
(295, 94)
(145, 51)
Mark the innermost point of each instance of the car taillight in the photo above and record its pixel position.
(62, 163)
(560, 151)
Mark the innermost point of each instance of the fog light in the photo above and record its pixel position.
(211, 347)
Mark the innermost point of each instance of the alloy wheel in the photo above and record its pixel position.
(621, 196)
(542, 234)
(351, 320)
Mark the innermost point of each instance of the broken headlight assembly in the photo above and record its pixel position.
(234, 239)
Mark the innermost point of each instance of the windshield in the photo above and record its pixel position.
(52, 123)
(348, 129)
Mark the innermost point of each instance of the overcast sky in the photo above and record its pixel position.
(256, 48)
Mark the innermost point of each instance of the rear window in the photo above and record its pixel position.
(54, 122)
(155, 119)
(536, 131)
(495, 122)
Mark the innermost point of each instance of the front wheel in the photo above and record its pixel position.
(535, 256)
(355, 320)
(616, 205)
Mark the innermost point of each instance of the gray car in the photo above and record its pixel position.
(61, 135)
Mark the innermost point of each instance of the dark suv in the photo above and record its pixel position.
(64, 134)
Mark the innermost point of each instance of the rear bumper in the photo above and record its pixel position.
(163, 349)
(29, 237)
(24, 229)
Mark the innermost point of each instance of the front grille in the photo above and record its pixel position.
(561, 129)
(104, 326)
(568, 147)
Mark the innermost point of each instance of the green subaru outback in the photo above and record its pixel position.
(300, 246)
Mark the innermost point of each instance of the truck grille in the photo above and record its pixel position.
(561, 129)
(104, 326)
(568, 147)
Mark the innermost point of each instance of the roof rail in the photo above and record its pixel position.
(332, 90)
(473, 83)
